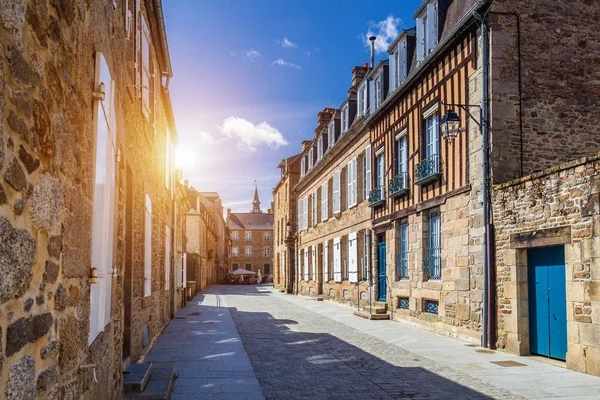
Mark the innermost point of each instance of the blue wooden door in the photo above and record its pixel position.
(547, 301)
(382, 272)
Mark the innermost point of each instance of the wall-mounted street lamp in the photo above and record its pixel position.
(450, 122)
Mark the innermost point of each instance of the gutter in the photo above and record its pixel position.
(163, 41)
(432, 56)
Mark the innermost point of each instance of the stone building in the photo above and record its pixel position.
(201, 242)
(284, 213)
(334, 218)
(251, 239)
(214, 206)
(548, 263)
(87, 196)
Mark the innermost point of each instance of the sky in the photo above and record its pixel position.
(250, 76)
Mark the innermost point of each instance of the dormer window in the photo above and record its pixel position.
(362, 98)
(379, 90)
(345, 115)
(331, 133)
(302, 167)
(310, 159)
(427, 30)
(320, 148)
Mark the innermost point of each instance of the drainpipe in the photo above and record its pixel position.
(487, 284)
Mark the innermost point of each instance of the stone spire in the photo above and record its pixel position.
(256, 201)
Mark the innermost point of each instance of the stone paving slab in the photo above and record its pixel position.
(203, 344)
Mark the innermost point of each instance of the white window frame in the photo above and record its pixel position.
(315, 207)
(378, 90)
(310, 159)
(432, 135)
(337, 259)
(234, 251)
(345, 116)
(305, 266)
(337, 206)
(267, 252)
(234, 236)
(367, 173)
(248, 236)
(331, 133)
(302, 167)
(326, 261)
(247, 251)
(104, 195)
(320, 148)
(313, 271)
(402, 152)
(366, 260)
(148, 247)
(363, 95)
(324, 201)
(267, 236)
(353, 257)
(351, 183)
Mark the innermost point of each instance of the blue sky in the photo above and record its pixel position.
(250, 77)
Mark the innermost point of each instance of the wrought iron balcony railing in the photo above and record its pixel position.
(432, 264)
(377, 197)
(428, 170)
(399, 185)
(402, 265)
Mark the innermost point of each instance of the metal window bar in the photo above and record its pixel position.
(398, 183)
(427, 168)
(402, 265)
(433, 264)
(377, 195)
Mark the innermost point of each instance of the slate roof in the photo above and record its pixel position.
(250, 221)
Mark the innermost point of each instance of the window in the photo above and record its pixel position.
(148, 247)
(402, 153)
(346, 258)
(167, 257)
(313, 274)
(267, 252)
(351, 183)
(402, 256)
(431, 306)
(305, 266)
(315, 206)
(401, 63)
(380, 170)
(102, 216)
(267, 269)
(336, 192)
(235, 236)
(267, 236)
(362, 98)
(248, 267)
(326, 270)
(234, 266)
(331, 133)
(181, 274)
(302, 214)
(345, 117)
(324, 205)
(248, 251)
(302, 167)
(145, 54)
(235, 251)
(432, 259)
(282, 264)
(366, 265)
(379, 90)
(337, 259)
(310, 159)
(367, 173)
(353, 257)
(403, 303)
(427, 32)
(432, 144)
(248, 236)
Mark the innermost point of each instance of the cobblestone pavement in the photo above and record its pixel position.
(299, 354)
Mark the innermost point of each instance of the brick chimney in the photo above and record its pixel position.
(323, 119)
(306, 144)
(358, 73)
(228, 212)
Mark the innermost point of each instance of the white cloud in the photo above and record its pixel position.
(250, 135)
(205, 137)
(288, 43)
(282, 63)
(249, 55)
(385, 31)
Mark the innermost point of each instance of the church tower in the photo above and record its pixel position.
(256, 201)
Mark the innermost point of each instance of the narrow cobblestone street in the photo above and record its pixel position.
(302, 349)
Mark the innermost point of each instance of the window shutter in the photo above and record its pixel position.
(305, 213)
(420, 39)
(349, 185)
(145, 70)
(326, 261)
(432, 33)
(324, 193)
(337, 258)
(371, 95)
(336, 192)
(368, 185)
(353, 257)
(184, 270)
(355, 181)
(314, 264)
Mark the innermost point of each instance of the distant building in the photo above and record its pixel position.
(252, 239)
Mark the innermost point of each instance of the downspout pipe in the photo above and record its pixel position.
(485, 112)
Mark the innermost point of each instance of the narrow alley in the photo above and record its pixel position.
(295, 348)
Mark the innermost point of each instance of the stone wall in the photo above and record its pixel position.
(560, 89)
(559, 206)
(258, 244)
(47, 146)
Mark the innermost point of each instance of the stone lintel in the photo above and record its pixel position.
(539, 238)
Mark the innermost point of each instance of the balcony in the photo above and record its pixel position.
(399, 185)
(428, 170)
(377, 197)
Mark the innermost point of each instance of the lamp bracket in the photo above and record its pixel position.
(466, 107)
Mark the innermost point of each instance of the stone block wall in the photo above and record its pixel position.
(258, 244)
(47, 143)
(559, 82)
(559, 206)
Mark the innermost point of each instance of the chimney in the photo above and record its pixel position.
(268, 211)
(185, 184)
(372, 39)
(358, 73)
(306, 144)
(228, 212)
